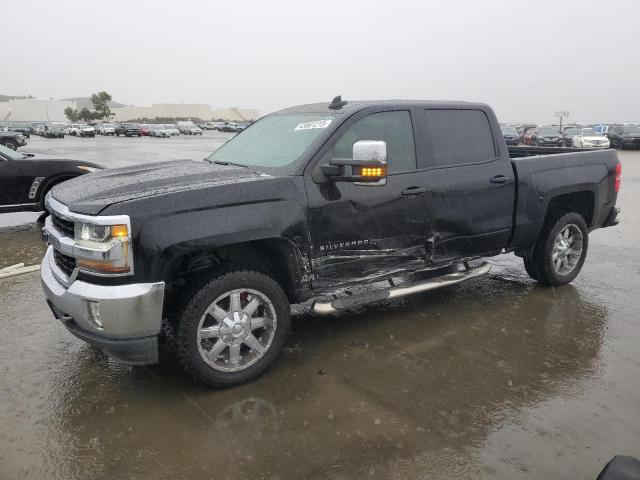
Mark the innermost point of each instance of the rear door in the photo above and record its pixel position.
(361, 232)
(469, 182)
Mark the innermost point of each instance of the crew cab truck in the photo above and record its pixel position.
(332, 205)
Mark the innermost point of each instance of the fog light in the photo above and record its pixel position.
(94, 314)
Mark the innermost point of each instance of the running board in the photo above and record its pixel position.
(350, 301)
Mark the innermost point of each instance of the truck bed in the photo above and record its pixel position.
(580, 178)
(530, 151)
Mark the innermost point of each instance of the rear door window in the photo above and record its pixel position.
(456, 137)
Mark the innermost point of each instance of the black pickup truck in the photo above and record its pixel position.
(128, 130)
(330, 205)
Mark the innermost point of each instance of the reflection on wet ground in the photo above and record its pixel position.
(495, 378)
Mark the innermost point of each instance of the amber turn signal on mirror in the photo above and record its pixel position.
(373, 172)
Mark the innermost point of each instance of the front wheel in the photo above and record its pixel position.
(12, 145)
(233, 329)
(561, 250)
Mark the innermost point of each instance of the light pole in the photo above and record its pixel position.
(561, 115)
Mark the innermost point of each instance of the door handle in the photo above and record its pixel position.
(413, 191)
(500, 179)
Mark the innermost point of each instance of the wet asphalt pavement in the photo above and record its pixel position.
(494, 378)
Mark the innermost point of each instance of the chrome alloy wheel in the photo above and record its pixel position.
(567, 249)
(236, 330)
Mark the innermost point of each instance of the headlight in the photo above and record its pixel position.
(86, 168)
(111, 242)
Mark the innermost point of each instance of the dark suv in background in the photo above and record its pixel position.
(624, 136)
(547, 137)
(128, 130)
(510, 135)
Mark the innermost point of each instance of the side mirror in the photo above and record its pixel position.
(367, 165)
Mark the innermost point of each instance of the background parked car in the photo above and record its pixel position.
(624, 136)
(527, 135)
(106, 129)
(128, 130)
(193, 130)
(53, 130)
(212, 125)
(510, 135)
(189, 128)
(12, 140)
(232, 127)
(145, 129)
(589, 138)
(24, 130)
(547, 137)
(568, 134)
(25, 180)
(86, 131)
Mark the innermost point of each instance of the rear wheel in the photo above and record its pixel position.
(233, 329)
(561, 250)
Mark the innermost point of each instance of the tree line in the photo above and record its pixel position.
(100, 110)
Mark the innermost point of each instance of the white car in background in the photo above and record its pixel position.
(192, 130)
(86, 131)
(163, 131)
(107, 129)
(589, 138)
(72, 129)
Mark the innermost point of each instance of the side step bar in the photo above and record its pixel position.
(324, 307)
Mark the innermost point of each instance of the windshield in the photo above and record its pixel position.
(571, 131)
(274, 141)
(509, 130)
(549, 131)
(10, 154)
(631, 129)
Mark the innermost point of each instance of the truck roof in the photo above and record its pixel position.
(354, 106)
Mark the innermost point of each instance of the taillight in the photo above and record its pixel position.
(616, 184)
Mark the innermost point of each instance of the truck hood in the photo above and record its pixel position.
(90, 194)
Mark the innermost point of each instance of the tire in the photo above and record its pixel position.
(208, 360)
(11, 144)
(570, 251)
(531, 269)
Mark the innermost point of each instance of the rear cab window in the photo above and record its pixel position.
(456, 137)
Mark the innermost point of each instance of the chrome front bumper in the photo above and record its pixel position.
(129, 317)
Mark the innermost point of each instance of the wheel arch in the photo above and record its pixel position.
(582, 202)
(51, 182)
(277, 257)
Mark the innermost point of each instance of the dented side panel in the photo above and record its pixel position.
(362, 232)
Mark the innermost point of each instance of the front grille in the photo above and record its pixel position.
(63, 226)
(64, 263)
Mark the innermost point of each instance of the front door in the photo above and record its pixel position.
(12, 192)
(362, 232)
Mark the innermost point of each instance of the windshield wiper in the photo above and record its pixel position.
(224, 162)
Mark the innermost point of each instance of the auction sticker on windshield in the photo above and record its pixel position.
(310, 125)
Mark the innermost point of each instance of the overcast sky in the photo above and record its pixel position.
(527, 59)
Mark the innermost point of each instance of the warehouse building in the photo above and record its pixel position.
(34, 110)
(183, 110)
